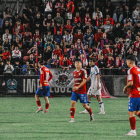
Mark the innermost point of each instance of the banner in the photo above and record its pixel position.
(61, 84)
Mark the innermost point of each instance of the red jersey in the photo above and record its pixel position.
(57, 52)
(45, 76)
(78, 78)
(133, 74)
(6, 55)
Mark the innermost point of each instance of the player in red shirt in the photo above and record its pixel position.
(79, 90)
(133, 77)
(44, 88)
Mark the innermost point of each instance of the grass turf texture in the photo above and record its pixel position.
(19, 122)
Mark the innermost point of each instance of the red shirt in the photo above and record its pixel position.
(57, 52)
(70, 7)
(45, 76)
(77, 19)
(68, 63)
(105, 51)
(68, 27)
(98, 37)
(6, 55)
(78, 78)
(137, 46)
(133, 74)
(110, 19)
(77, 36)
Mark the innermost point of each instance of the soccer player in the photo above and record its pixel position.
(79, 90)
(133, 77)
(44, 88)
(95, 88)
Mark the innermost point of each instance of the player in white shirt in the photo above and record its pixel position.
(95, 88)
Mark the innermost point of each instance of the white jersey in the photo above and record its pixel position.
(94, 71)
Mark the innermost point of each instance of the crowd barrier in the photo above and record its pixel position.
(60, 85)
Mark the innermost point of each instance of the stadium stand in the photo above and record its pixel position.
(52, 29)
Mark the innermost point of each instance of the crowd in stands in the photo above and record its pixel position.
(58, 31)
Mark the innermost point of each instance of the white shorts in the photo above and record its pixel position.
(94, 91)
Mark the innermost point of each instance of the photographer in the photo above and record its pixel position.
(8, 70)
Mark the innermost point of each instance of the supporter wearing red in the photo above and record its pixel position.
(84, 60)
(58, 27)
(37, 26)
(38, 43)
(7, 25)
(87, 18)
(70, 9)
(109, 65)
(57, 51)
(72, 60)
(96, 14)
(60, 6)
(78, 35)
(98, 35)
(6, 55)
(48, 6)
(120, 46)
(68, 27)
(110, 19)
(79, 45)
(16, 54)
(27, 40)
(130, 35)
(65, 64)
(77, 18)
(67, 39)
(19, 26)
(37, 35)
(17, 34)
(107, 51)
(48, 19)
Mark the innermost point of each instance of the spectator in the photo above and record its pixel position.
(19, 26)
(47, 37)
(8, 70)
(70, 10)
(102, 64)
(108, 18)
(79, 45)
(49, 44)
(17, 34)
(136, 14)
(118, 30)
(37, 35)
(67, 39)
(84, 60)
(55, 62)
(18, 43)
(78, 35)
(27, 40)
(1, 23)
(118, 14)
(88, 38)
(110, 65)
(6, 44)
(88, 26)
(48, 6)
(58, 38)
(37, 26)
(38, 19)
(127, 15)
(72, 52)
(48, 28)
(96, 14)
(49, 19)
(1, 67)
(98, 35)
(17, 68)
(48, 54)
(86, 50)
(83, 4)
(58, 27)
(68, 27)
(58, 19)
(102, 42)
(38, 43)
(128, 26)
(57, 51)
(16, 54)
(78, 27)
(7, 25)
(60, 6)
(65, 64)
(77, 18)
(87, 18)
(7, 35)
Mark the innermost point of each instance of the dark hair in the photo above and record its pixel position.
(41, 62)
(78, 60)
(130, 57)
(92, 59)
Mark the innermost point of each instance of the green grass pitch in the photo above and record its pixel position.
(19, 122)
